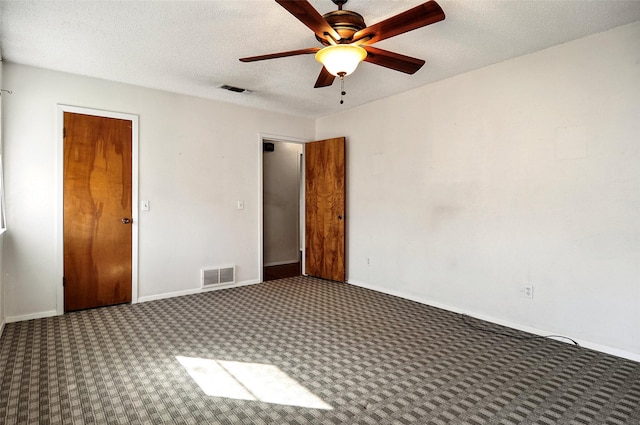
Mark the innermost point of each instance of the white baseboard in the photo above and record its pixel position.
(195, 291)
(38, 315)
(536, 331)
(52, 313)
(280, 263)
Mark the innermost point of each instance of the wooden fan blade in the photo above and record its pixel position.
(308, 51)
(325, 79)
(306, 14)
(420, 16)
(392, 60)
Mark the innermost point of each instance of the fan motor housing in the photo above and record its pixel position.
(345, 22)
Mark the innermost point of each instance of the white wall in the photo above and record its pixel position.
(525, 172)
(197, 159)
(459, 193)
(1, 237)
(281, 170)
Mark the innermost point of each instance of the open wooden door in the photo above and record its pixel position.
(325, 197)
(97, 211)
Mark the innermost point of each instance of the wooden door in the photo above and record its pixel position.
(325, 209)
(97, 211)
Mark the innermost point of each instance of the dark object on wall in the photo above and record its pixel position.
(269, 147)
(234, 89)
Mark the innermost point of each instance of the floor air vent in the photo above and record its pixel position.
(212, 276)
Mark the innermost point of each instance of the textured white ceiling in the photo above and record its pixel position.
(193, 47)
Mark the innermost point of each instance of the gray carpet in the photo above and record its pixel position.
(352, 356)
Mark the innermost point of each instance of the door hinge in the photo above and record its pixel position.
(64, 132)
(64, 281)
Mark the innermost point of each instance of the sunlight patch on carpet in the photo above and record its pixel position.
(249, 381)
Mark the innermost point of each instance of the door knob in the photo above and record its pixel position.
(126, 220)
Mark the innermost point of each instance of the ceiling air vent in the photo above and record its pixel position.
(235, 89)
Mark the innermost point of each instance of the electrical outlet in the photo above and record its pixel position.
(528, 291)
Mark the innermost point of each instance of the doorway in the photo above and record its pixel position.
(98, 185)
(282, 195)
(321, 219)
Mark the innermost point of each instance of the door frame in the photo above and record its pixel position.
(61, 109)
(264, 137)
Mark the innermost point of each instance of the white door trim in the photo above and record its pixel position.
(274, 138)
(61, 109)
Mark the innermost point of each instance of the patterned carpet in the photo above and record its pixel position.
(300, 351)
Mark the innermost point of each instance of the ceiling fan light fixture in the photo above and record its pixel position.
(341, 59)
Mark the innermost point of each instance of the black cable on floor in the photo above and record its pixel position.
(484, 329)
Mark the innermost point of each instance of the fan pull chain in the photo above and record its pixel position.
(342, 92)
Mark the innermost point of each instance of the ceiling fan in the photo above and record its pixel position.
(347, 40)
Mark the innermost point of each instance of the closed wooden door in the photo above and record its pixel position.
(97, 211)
(325, 209)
